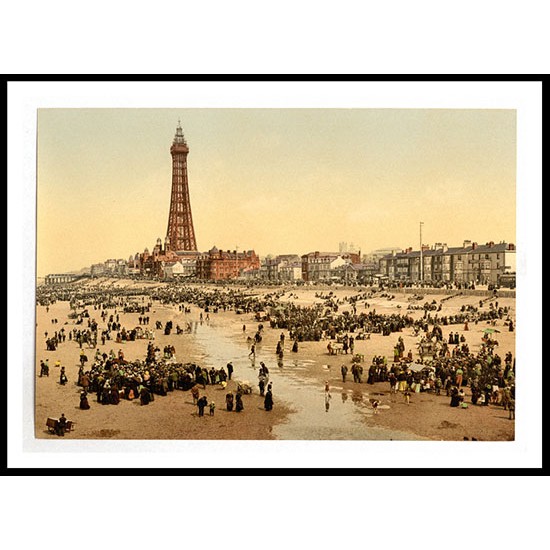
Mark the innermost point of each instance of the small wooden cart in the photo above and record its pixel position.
(51, 424)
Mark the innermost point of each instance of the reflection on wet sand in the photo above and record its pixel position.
(310, 420)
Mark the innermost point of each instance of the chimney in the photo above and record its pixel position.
(474, 246)
(467, 244)
(511, 246)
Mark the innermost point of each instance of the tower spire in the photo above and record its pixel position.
(179, 138)
(180, 233)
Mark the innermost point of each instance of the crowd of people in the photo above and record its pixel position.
(111, 378)
(489, 378)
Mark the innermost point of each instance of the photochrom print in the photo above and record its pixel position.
(276, 274)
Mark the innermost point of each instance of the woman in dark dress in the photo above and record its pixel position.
(114, 397)
(455, 397)
(229, 401)
(238, 403)
(105, 393)
(201, 403)
(84, 405)
(370, 379)
(268, 401)
(144, 396)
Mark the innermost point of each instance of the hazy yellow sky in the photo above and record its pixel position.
(274, 180)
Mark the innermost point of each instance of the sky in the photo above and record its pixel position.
(278, 181)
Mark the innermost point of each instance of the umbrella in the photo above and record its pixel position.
(490, 330)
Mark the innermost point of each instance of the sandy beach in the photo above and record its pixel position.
(298, 387)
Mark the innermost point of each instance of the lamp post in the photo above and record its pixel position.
(421, 259)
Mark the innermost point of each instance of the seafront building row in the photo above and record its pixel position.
(485, 264)
(490, 263)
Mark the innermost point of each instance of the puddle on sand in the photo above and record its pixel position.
(345, 418)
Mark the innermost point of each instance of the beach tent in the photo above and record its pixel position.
(416, 367)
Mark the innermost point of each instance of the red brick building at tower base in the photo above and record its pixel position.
(154, 264)
(217, 265)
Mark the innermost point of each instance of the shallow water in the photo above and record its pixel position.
(348, 414)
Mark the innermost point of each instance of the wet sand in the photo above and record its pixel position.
(299, 411)
(168, 417)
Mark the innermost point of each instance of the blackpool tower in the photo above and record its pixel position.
(180, 235)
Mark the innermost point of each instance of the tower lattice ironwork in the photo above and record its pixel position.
(180, 234)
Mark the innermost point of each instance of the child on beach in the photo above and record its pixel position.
(407, 396)
(212, 407)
